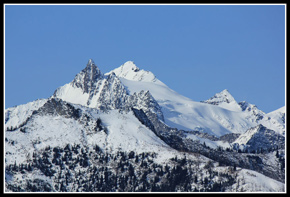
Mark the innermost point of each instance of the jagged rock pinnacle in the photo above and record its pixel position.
(91, 62)
(87, 78)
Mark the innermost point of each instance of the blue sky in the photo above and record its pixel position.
(197, 50)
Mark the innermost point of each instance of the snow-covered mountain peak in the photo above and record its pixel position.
(224, 99)
(130, 65)
(92, 89)
(224, 96)
(130, 71)
(281, 110)
(221, 97)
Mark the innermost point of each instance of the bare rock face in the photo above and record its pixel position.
(88, 77)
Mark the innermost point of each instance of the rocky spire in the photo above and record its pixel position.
(88, 77)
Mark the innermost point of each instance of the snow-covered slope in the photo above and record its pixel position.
(251, 181)
(275, 120)
(279, 113)
(57, 123)
(15, 116)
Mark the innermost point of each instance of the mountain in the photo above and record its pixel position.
(179, 111)
(92, 89)
(125, 130)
